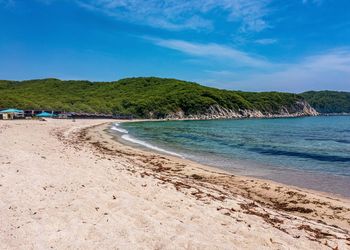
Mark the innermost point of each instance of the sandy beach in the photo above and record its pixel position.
(70, 185)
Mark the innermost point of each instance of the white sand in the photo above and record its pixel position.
(59, 191)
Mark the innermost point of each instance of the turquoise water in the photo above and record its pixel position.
(311, 152)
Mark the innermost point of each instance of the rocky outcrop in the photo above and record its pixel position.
(307, 109)
(301, 108)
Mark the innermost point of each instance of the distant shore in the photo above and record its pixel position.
(69, 184)
(335, 114)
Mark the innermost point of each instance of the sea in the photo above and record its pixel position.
(307, 152)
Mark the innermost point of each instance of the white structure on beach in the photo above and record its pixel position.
(9, 114)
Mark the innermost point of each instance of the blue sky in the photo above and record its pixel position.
(253, 45)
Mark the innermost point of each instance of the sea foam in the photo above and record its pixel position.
(147, 145)
(116, 127)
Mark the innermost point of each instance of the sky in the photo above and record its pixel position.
(250, 45)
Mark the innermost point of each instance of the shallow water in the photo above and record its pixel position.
(312, 152)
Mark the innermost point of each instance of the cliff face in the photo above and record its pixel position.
(301, 108)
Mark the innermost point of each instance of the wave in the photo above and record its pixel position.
(116, 127)
(147, 145)
(331, 140)
(313, 156)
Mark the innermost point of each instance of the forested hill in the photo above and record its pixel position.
(329, 101)
(148, 98)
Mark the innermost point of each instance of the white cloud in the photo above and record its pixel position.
(328, 70)
(184, 14)
(213, 51)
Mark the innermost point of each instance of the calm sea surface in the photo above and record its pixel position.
(311, 152)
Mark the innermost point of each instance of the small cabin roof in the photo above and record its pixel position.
(12, 111)
(45, 114)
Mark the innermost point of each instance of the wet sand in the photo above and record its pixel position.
(336, 185)
(67, 184)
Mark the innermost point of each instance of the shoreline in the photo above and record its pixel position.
(296, 177)
(118, 138)
(69, 184)
(309, 204)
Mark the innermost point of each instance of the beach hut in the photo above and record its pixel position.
(9, 114)
(45, 115)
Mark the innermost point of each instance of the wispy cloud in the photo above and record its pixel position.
(184, 14)
(328, 70)
(266, 41)
(318, 2)
(212, 51)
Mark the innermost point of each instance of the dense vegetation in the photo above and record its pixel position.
(329, 101)
(142, 97)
